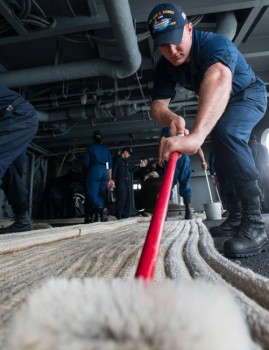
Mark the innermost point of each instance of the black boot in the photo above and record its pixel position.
(100, 214)
(188, 212)
(103, 214)
(230, 226)
(96, 217)
(251, 238)
(22, 223)
(88, 212)
(225, 214)
(87, 219)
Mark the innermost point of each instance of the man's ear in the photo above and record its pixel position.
(189, 27)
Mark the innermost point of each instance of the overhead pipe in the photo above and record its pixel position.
(121, 110)
(226, 24)
(121, 21)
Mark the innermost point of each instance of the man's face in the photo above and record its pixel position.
(126, 154)
(179, 54)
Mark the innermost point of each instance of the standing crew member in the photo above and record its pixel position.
(121, 176)
(18, 126)
(232, 100)
(97, 164)
(182, 173)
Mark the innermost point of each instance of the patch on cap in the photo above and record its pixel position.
(165, 18)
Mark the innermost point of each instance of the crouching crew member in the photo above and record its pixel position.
(232, 100)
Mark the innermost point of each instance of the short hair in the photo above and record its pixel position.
(126, 149)
(96, 133)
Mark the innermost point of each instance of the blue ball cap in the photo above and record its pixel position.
(166, 24)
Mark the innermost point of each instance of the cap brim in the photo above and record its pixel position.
(170, 37)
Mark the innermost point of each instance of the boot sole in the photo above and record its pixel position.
(7, 230)
(263, 248)
(230, 234)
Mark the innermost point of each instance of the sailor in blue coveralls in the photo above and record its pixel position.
(18, 126)
(97, 164)
(232, 100)
(182, 173)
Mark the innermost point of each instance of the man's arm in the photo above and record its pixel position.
(213, 98)
(110, 182)
(201, 155)
(214, 95)
(160, 151)
(163, 115)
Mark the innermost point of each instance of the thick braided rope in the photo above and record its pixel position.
(23, 240)
(256, 316)
(113, 249)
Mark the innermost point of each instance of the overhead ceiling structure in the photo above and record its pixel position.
(89, 64)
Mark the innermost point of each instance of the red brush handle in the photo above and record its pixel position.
(149, 255)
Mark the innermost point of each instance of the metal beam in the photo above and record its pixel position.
(64, 25)
(256, 54)
(249, 23)
(141, 8)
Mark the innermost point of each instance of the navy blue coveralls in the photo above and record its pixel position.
(261, 159)
(121, 176)
(182, 172)
(96, 162)
(18, 126)
(246, 107)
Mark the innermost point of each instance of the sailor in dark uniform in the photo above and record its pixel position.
(18, 126)
(121, 177)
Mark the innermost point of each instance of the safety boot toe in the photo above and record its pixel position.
(242, 246)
